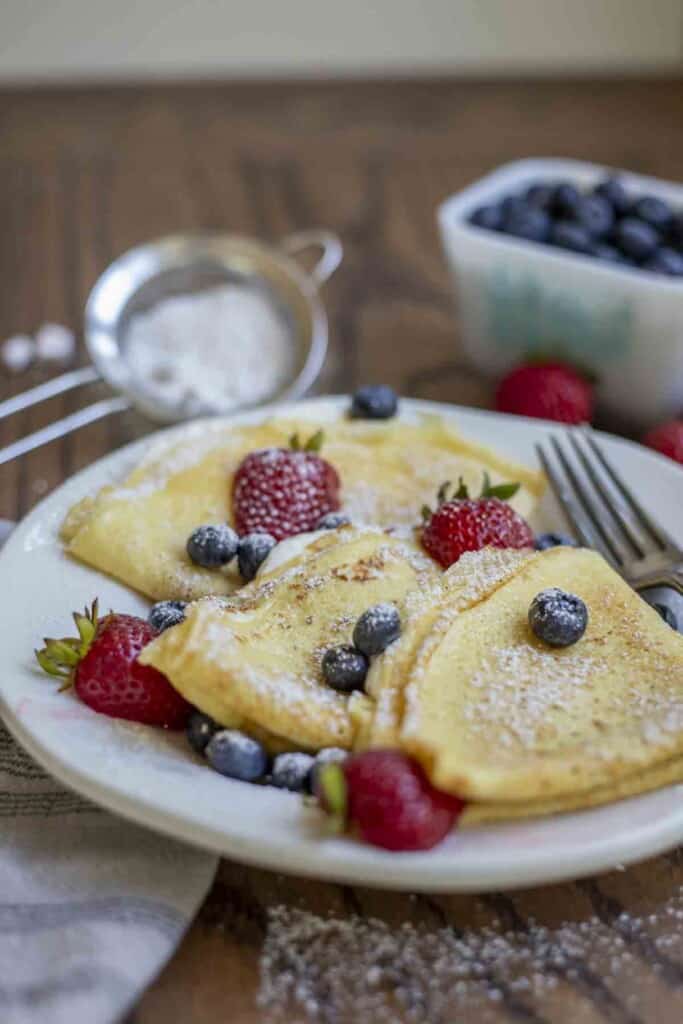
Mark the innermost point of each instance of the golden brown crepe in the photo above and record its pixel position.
(519, 728)
(255, 659)
(473, 577)
(136, 531)
(666, 774)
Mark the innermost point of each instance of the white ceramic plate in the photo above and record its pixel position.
(153, 778)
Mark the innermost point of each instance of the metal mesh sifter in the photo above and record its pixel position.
(178, 265)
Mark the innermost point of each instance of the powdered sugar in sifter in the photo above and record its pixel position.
(139, 280)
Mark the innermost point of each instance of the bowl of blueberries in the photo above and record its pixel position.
(560, 259)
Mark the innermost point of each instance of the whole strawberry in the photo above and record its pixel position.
(101, 664)
(667, 439)
(468, 524)
(548, 391)
(284, 491)
(387, 798)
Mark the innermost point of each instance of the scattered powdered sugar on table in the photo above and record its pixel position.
(55, 343)
(337, 970)
(17, 353)
(40, 486)
(210, 351)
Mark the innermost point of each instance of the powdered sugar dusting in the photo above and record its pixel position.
(474, 575)
(160, 470)
(661, 714)
(477, 573)
(335, 969)
(299, 694)
(520, 685)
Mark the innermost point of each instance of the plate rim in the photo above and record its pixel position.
(411, 871)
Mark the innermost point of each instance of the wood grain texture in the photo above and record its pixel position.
(86, 173)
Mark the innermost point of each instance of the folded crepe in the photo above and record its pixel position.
(137, 530)
(519, 728)
(254, 661)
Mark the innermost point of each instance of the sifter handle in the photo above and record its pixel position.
(91, 413)
(52, 387)
(332, 251)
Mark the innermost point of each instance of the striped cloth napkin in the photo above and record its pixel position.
(91, 907)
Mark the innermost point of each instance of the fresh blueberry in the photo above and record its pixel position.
(528, 222)
(596, 215)
(292, 771)
(212, 546)
(200, 729)
(377, 627)
(252, 551)
(567, 234)
(165, 614)
(375, 402)
(237, 755)
(654, 211)
(676, 231)
(553, 540)
(665, 261)
(344, 668)
(489, 217)
(635, 238)
(540, 195)
(616, 195)
(666, 614)
(566, 198)
(329, 755)
(558, 618)
(512, 205)
(608, 253)
(332, 521)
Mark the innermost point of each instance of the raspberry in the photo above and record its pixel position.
(284, 491)
(548, 391)
(389, 800)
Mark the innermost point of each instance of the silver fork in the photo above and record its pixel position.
(606, 515)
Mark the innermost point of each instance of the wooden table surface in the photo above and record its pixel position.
(86, 173)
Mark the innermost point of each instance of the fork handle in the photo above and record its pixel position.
(670, 577)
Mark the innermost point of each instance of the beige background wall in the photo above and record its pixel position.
(47, 39)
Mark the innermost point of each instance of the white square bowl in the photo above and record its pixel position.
(517, 299)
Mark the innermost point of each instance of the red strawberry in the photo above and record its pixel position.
(102, 665)
(667, 438)
(468, 524)
(388, 798)
(284, 491)
(548, 391)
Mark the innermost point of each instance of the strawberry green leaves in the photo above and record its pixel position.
(503, 491)
(59, 657)
(314, 443)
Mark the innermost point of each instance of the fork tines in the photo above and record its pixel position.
(602, 510)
